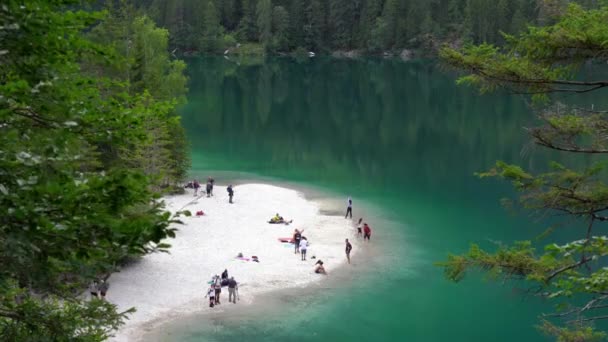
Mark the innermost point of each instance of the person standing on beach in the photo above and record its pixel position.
(349, 209)
(196, 185)
(218, 290)
(208, 188)
(93, 289)
(359, 232)
(103, 289)
(230, 193)
(211, 295)
(211, 181)
(232, 288)
(349, 247)
(303, 248)
(297, 236)
(367, 232)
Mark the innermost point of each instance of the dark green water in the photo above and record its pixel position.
(401, 137)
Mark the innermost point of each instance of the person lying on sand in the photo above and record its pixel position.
(279, 219)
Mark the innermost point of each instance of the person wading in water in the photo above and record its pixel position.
(349, 247)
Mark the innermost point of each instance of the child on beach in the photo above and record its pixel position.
(359, 233)
(211, 295)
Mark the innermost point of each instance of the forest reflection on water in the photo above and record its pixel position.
(405, 138)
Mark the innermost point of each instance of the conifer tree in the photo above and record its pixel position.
(264, 21)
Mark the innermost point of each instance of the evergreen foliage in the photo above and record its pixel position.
(72, 210)
(368, 25)
(544, 61)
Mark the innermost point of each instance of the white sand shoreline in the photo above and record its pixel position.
(167, 286)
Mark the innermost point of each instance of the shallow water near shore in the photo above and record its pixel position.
(406, 141)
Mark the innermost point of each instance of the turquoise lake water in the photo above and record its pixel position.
(402, 138)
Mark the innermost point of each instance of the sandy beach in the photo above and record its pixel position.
(166, 286)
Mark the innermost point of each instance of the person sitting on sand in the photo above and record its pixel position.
(320, 269)
(279, 219)
(225, 274)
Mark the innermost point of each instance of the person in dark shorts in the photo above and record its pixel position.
(303, 247)
(103, 289)
(349, 247)
(367, 232)
(211, 295)
(297, 237)
(359, 228)
(94, 289)
(211, 181)
(208, 188)
(349, 209)
(230, 193)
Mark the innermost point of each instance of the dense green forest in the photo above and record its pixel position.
(89, 139)
(371, 26)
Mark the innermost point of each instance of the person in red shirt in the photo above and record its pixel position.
(367, 232)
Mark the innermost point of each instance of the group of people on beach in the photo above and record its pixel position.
(365, 229)
(208, 188)
(215, 289)
(301, 243)
(194, 184)
(98, 289)
(362, 229)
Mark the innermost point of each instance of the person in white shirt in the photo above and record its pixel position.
(349, 209)
(211, 295)
(303, 247)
